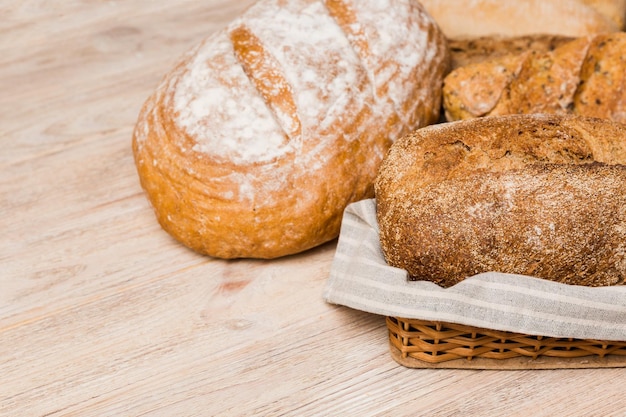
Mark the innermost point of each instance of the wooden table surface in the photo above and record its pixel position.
(102, 313)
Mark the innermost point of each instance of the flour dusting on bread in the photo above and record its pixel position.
(259, 137)
(218, 92)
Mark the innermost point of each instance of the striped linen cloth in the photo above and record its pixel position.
(359, 278)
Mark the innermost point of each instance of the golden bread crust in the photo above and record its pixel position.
(256, 141)
(585, 76)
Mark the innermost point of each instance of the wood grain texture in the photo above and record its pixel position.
(101, 313)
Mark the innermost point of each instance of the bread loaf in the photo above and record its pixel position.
(464, 52)
(476, 18)
(540, 195)
(586, 76)
(259, 137)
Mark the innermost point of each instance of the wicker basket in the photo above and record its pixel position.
(428, 344)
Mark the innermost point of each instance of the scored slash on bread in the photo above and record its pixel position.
(264, 72)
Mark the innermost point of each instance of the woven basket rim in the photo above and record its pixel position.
(438, 342)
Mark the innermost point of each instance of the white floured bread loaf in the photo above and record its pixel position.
(475, 18)
(256, 141)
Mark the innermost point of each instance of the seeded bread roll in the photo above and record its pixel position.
(540, 195)
(260, 136)
(586, 76)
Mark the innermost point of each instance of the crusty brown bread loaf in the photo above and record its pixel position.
(259, 137)
(586, 76)
(540, 195)
(475, 18)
